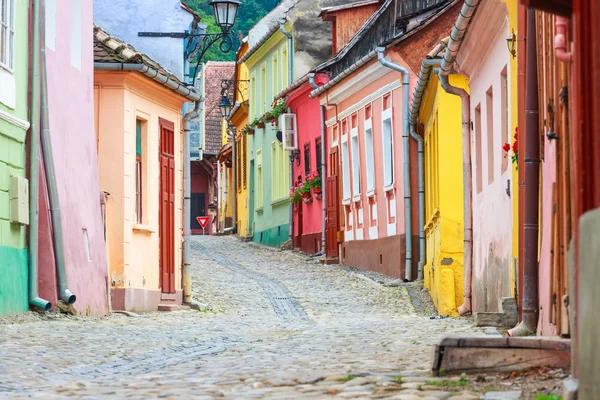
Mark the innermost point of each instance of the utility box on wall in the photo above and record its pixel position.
(19, 200)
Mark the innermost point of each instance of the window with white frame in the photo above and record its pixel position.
(7, 33)
(388, 148)
(259, 180)
(355, 163)
(345, 168)
(369, 156)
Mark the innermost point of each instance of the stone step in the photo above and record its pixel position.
(172, 307)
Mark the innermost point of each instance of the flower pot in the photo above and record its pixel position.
(319, 196)
(307, 200)
(250, 131)
(260, 125)
(306, 195)
(317, 189)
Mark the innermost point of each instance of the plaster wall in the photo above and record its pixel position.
(125, 18)
(71, 104)
(134, 249)
(13, 132)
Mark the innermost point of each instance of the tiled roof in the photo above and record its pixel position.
(214, 74)
(110, 49)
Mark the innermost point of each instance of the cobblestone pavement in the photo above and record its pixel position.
(278, 325)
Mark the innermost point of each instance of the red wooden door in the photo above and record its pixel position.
(167, 206)
(332, 206)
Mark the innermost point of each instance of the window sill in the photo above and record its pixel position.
(143, 229)
(259, 210)
(283, 200)
(388, 188)
(346, 202)
(371, 193)
(356, 199)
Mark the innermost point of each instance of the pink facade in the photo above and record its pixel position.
(372, 213)
(69, 54)
(308, 217)
(485, 60)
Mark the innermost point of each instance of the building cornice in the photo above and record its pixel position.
(11, 119)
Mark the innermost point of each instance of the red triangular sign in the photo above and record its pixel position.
(203, 221)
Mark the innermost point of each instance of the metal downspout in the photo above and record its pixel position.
(423, 79)
(456, 36)
(529, 321)
(34, 297)
(57, 230)
(290, 80)
(187, 202)
(405, 136)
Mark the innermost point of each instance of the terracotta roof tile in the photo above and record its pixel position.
(215, 73)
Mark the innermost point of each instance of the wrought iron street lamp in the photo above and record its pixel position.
(198, 44)
(225, 106)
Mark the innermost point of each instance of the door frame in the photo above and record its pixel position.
(169, 286)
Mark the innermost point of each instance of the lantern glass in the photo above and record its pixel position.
(225, 13)
(225, 106)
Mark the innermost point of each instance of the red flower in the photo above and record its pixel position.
(515, 147)
(506, 147)
(516, 132)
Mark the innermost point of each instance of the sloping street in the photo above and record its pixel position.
(278, 325)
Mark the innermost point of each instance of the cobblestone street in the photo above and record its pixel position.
(278, 325)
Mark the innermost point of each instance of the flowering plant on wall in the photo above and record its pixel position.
(314, 181)
(515, 149)
(295, 195)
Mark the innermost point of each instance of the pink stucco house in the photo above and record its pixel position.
(70, 76)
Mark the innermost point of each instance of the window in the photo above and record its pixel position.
(254, 94)
(139, 170)
(76, 33)
(259, 179)
(275, 75)
(491, 150)
(284, 66)
(7, 33)
(318, 155)
(280, 176)
(355, 163)
(504, 116)
(275, 171)
(263, 89)
(345, 168)
(238, 162)
(306, 160)
(244, 159)
(370, 159)
(478, 148)
(388, 149)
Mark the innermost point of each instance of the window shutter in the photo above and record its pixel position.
(289, 132)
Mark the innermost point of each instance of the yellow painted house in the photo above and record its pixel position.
(440, 117)
(239, 119)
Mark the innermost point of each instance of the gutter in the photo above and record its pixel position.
(406, 147)
(458, 32)
(344, 74)
(150, 72)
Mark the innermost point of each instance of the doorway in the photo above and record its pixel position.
(167, 206)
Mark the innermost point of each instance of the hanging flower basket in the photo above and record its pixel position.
(316, 190)
(306, 195)
(260, 125)
(515, 149)
(251, 131)
(308, 200)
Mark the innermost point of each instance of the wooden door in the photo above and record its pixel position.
(167, 206)
(198, 209)
(332, 206)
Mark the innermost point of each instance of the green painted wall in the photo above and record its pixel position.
(268, 75)
(13, 254)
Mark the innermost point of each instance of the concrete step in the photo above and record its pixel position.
(172, 307)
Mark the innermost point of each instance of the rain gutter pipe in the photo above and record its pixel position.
(187, 196)
(57, 230)
(313, 84)
(159, 77)
(456, 36)
(529, 322)
(423, 80)
(405, 132)
(34, 297)
(290, 80)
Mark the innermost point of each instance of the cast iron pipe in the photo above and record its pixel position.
(57, 231)
(528, 324)
(456, 36)
(406, 145)
(34, 144)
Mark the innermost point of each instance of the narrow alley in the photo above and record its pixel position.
(277, 325)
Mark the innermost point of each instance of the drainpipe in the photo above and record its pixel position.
(529, 321)
(34, 297)
(405, 134)
(187, 202)
(456, 36)
(313, 84)
(233, 181)
(560, 40)
(57, 229)
(426, 67)
(290, 80)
